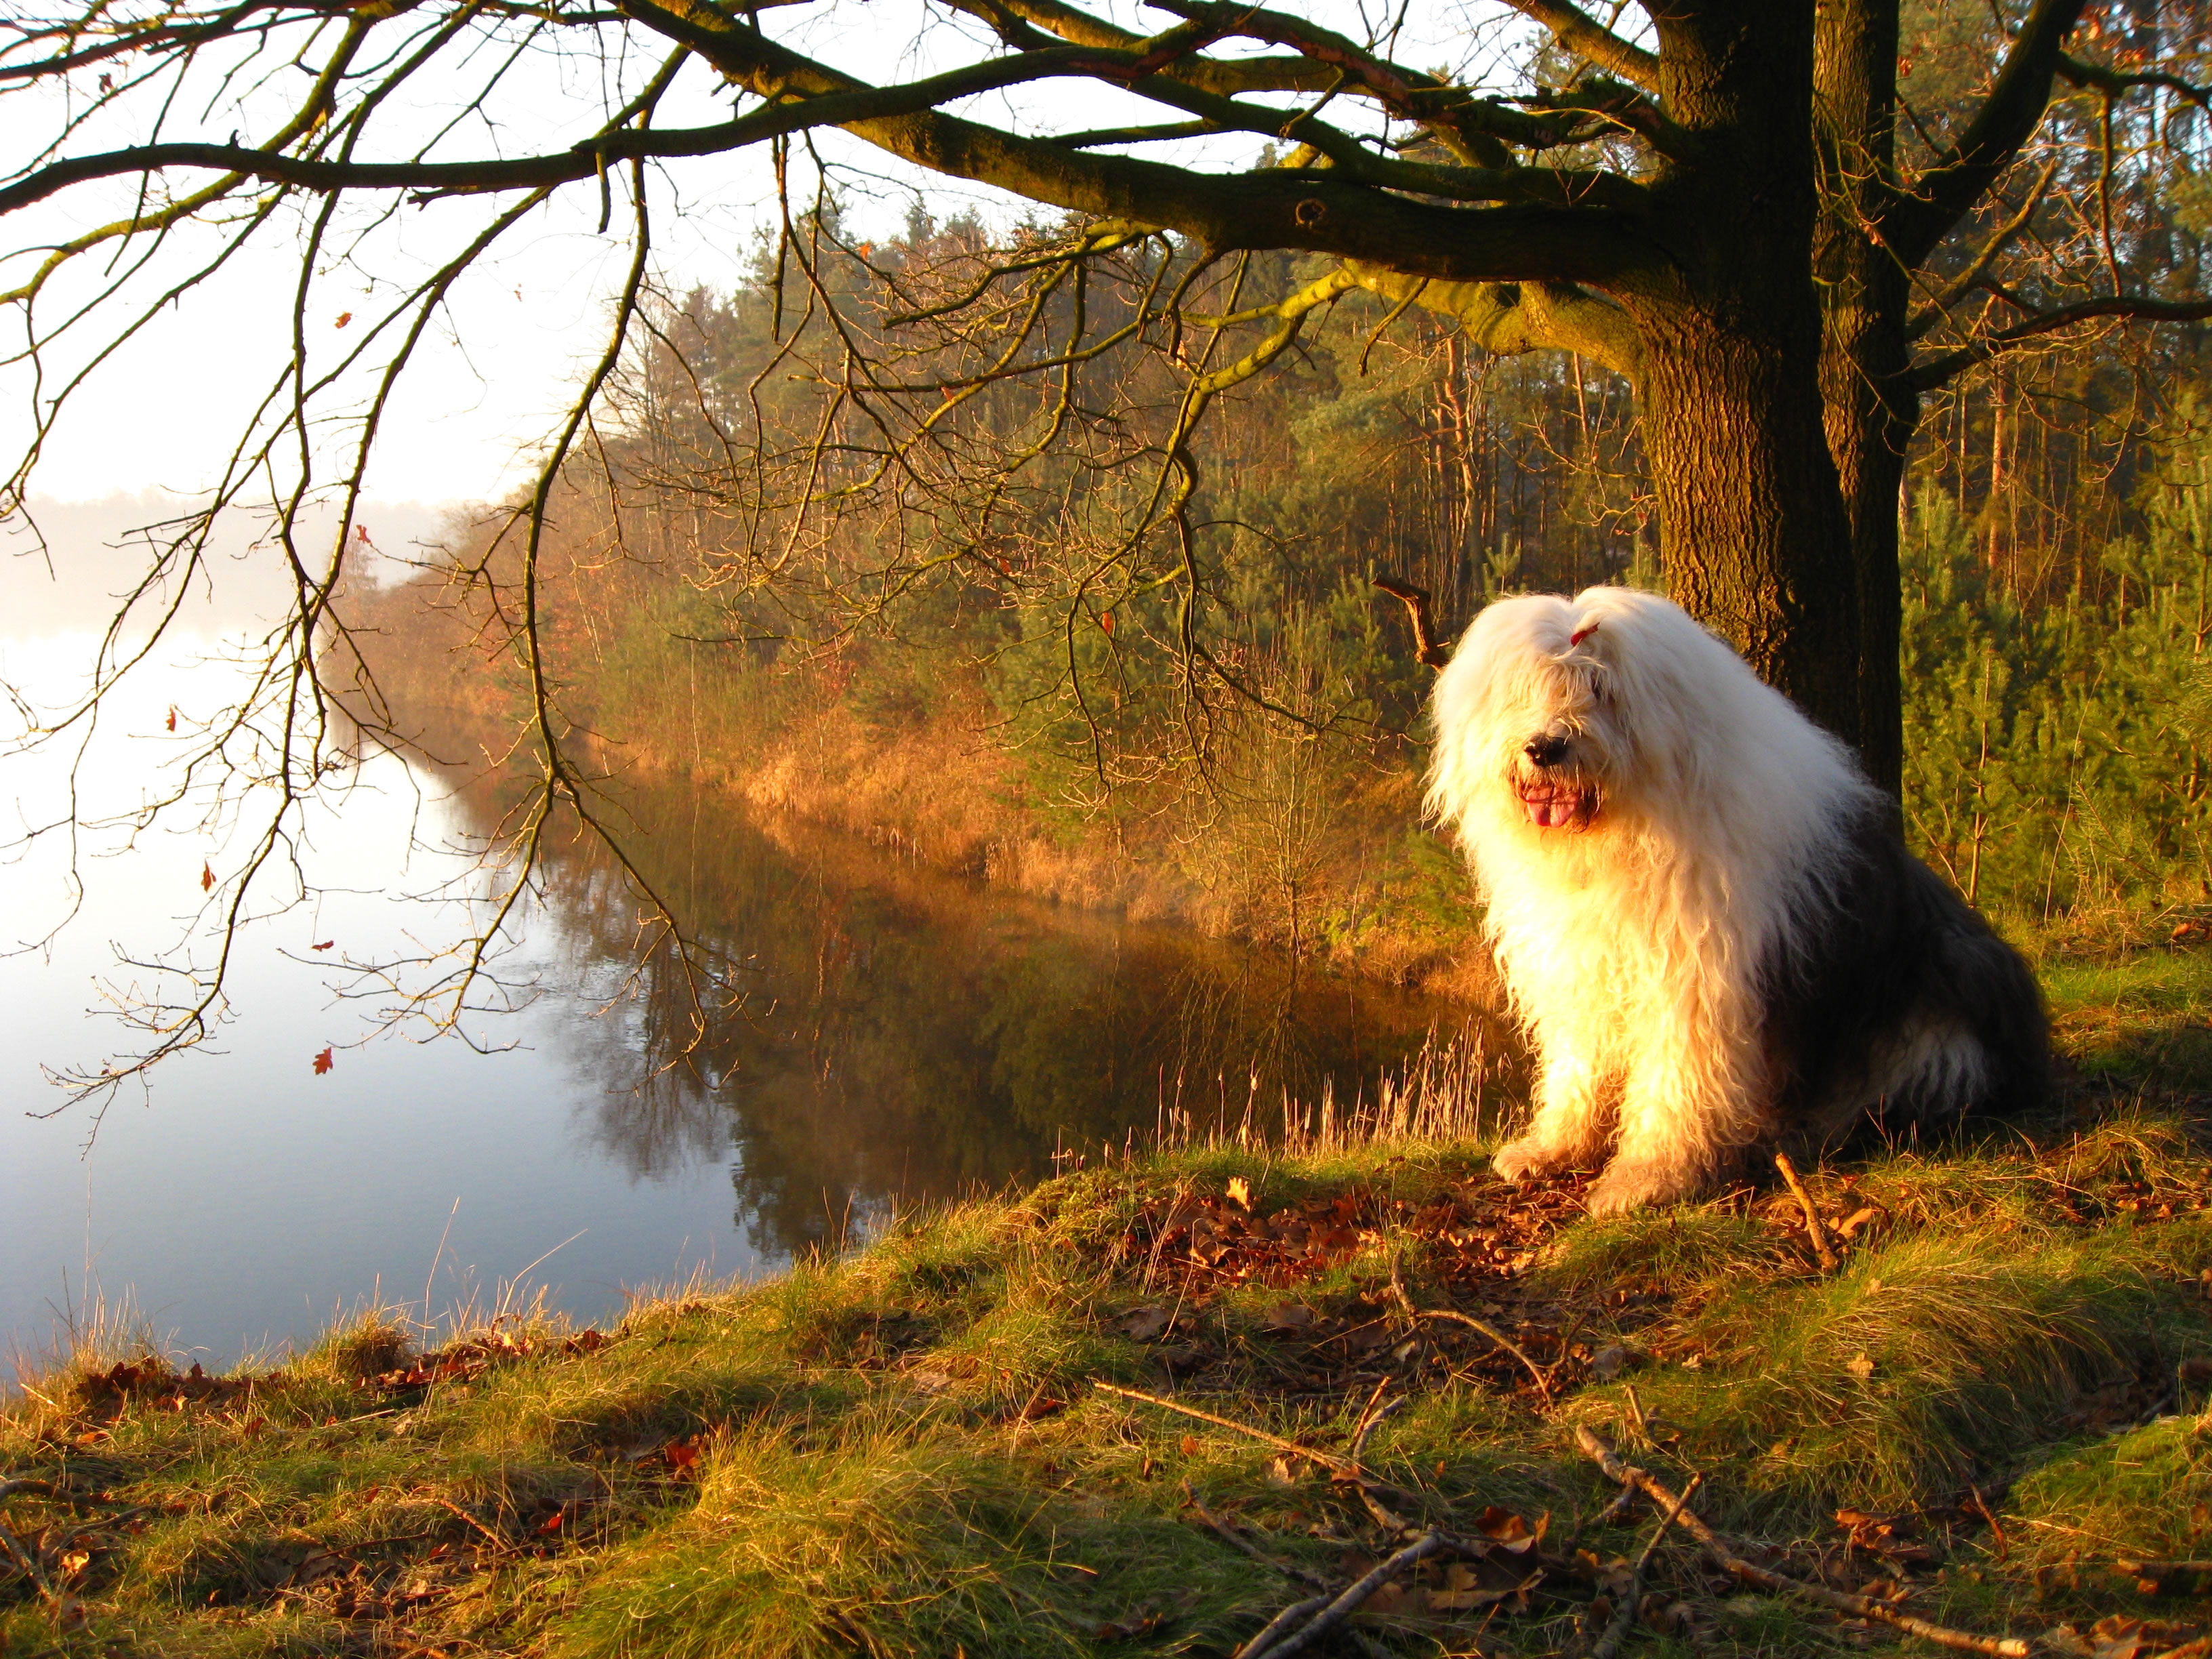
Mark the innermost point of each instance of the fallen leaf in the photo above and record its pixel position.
(324, 1062)
(1145, 1324)
(1190, 1445)
(1851, 1223)
(682, 1455)
(1859, 1366)
(554, 1521)
(1505, 1528)
(1609, 1362)
(75, 1562)
(1240, 1190)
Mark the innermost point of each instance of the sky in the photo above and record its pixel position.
(491, 381)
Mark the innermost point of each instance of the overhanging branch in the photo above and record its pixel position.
(1923, 214)
(587, 160)
(1935, 370)
(1591, 41)
(1270, 208)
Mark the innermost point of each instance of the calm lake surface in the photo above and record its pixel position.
(890, 1035)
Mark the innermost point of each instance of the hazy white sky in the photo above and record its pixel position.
(489, 385)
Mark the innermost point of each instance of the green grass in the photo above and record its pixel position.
(904, 1450)
(2143, 1014)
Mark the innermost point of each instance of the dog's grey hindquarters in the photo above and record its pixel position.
(1895, 999)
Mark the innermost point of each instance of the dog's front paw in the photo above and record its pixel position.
(1529, 1159)
(1623, 1187)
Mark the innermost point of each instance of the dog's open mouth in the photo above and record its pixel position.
(1559, 806)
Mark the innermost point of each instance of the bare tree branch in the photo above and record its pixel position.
(1933, 373)
(1928, 210)
(1591, 41)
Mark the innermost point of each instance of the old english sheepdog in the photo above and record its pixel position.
(1703, 914)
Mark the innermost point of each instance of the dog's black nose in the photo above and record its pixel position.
(1547, 750)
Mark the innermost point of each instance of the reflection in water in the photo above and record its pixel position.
(894, 1034)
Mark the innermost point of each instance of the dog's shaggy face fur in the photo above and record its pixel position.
(1702, 914)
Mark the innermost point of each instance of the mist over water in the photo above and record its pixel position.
(886, 1035)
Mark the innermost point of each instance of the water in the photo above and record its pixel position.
(884, 1035)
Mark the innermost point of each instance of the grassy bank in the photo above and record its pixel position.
(1996, 1396)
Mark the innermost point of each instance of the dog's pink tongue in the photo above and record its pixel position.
(1550, 811)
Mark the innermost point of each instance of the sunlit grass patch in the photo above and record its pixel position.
(2148, 1013)
(1921, 1362)
(1666, 1248)
(2143, 1495)
(880, 1530)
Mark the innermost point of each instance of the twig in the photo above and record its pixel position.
(25, 1562)
(1416, 600)
(1327, 1460)
(1859, 1607)
(1543, 1382)
(1624, 1616)
(19, 1487)
(1604, 1517)
(1996, 1531)
(1229, 1536)
(1369, 1424)
(455, 1509)
(2165, 1577)
(1281, 1622)
(1813, 1229)
(1348, 1603)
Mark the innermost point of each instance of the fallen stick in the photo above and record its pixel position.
(1345, 1605)
(25, 1485)
(1327, 1460)
(2159, 1577)
(1505, 1342)
(1343, 1469)
(1624, 1616)
(1228, 1535)
(1813, 1229)
(25, 1563)
(1860, 1607)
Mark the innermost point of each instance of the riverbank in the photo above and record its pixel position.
(977, 1435)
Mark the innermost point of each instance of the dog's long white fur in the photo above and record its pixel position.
(1631, 945)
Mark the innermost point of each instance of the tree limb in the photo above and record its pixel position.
(1269, 209)
(585, 160)
(1426, 646)
(1923, 214)
(1509, 319)
(2114, 83)
(1933, 373)
(1591, 41)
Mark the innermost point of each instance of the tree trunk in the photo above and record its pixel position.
(1753, 531)
(1866, 357)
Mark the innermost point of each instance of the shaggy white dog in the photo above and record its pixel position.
(1702, 913)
